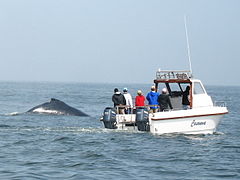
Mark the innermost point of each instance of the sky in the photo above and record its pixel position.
(118, 41)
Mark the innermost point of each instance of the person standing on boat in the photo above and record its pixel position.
(118, 100)
(129, 101)
(140, 99)
(164, 100)
(185, 98)
(152, 98)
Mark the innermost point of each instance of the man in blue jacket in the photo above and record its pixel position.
(152, 98)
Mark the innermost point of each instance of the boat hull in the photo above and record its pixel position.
(194, 125)
(192, 121)
(187, 121)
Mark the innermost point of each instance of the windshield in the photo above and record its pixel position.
(174, 89)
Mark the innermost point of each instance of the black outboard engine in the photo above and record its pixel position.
(109, 118)
(142, 119)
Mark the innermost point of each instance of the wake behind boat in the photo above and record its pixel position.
(201, 117)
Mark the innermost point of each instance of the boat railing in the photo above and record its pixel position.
(168, 74)
(131, 110)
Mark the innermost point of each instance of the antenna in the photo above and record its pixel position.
(188, 47)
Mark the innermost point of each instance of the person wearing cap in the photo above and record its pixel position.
(164, 100)
(152, 98)
(118, 100)
(140, 99)
(128, 98)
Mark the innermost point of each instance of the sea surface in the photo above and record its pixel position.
(70, 147)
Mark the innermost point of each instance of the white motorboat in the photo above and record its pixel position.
(201, 117)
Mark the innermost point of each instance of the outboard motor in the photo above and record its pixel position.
(109, 118)
(142, 119)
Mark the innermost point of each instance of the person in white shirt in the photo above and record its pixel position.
(129, 101)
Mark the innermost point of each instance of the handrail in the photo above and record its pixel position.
(131, 109)
(127, 106)
(134, 107)
(163, 74)
(147, 107)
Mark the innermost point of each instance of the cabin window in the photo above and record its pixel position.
(198, 89)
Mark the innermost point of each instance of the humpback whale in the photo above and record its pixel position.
(57, 107)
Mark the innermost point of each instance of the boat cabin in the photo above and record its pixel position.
(176, 83)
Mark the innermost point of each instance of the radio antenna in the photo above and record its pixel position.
(188, 46)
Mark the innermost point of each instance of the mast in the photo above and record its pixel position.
(188, 46)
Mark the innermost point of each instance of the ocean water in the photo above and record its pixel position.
(69, 147)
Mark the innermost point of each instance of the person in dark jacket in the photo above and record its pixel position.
(118, 100)
(164, 100)
(185, 98)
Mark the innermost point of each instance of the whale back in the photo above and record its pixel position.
(57, 107)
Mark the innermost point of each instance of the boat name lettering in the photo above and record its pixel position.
(194, 123)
